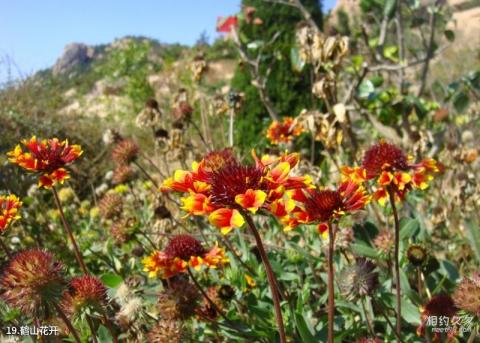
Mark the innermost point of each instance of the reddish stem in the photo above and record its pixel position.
(270, 276)
(69, 232)
(331, 294)
(396, 262)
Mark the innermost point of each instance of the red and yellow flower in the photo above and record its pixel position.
(9, 207)
(181, 253)
(326, 205)
(47, 157)
(221, 188)
(284, 131)
(392, 170)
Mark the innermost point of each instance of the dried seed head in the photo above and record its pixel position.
(358, 280)
(384, 241)
(166, 331)
(110, 206)
(85, 292)
(123, 174)
(467, 295)
(32, 281)
(125, 151)
(179, 301)
(226, 292)
(416, 254)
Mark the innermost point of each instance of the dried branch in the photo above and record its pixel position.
(298, 5)
(430, 48)
(258, 81)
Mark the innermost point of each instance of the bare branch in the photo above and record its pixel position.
(298, 4)
(431, 42)
(258, 81)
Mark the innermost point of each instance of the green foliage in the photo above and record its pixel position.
(131, 62)
(289, 90)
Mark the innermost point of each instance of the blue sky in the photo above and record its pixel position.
(33, 33)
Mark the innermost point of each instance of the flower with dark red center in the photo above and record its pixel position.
(47, 157)
(32, 281)
(85, 292)
(184, 247)
(181, 253)
(232, 180)
(125, 151)
(327, 205)
(392, 171)
(438, 306)
(467, 295)
(285, 131)
(222, 188)
(384, 157)
(9, 207)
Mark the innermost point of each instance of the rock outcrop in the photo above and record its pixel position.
(74, 54)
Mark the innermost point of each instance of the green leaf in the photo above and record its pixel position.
(297, 63)
(410, 312)
(461, 101)
(303, 328)
(357, 61)
(391, 53)
(365, 89)
(364, 250)
(111, 280)
(389, 8)
(450, 270)
(450, 35)
(104, 335)
(473, 236)
(377, 80)
(409, 228)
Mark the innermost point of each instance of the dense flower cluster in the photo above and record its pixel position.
(220, 187)
(47, 157)
(181, 253)
(284, 131)
(9, 206)
(392, 170)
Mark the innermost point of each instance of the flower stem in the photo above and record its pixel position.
(155, 183)
(270, 276)
(92, 329)
(331, 294)
(109, 325)
(69, 232)
(68, 323)
(396, 262)
(205, 295)
(5, 248)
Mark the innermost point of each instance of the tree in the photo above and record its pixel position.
(288, 89)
